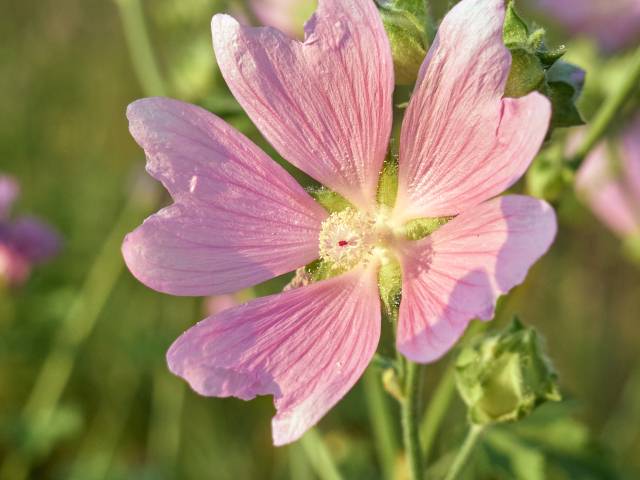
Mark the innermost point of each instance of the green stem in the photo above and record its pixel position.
(319, 456)
(438, 406)
(381, 423)
(142, 56)
(410, 415)
(607, 113)
(465, 452)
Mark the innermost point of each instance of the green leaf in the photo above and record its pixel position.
(526, 462)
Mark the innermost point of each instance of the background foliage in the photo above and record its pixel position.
(84, 390)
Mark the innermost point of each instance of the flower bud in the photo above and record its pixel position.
(535, 67)
(504, 377)
(407, 25)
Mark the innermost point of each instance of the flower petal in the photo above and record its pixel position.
(462, 142)
(9, 191)
(307, 347)
(458, 272)
(36, 241)
(325, 104)
(631, 158)
(238, 218)
(609, 193)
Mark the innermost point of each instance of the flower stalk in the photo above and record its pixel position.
(473, 435)
(608, 112)
(410, 420)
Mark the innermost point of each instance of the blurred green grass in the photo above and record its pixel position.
(66, 78)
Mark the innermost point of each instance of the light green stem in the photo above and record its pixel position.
(465, 452)
(319, 456)
(607, 113)
(410, 420)
(381, 423)
(142, 56)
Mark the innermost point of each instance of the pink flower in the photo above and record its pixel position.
(24, 242)
(326, 106)
(287, 16)
(614, 23)
(611, 186)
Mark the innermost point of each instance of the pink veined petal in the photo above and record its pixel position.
(325, 104)
(238, 217)
(307, 347)
(9, 191)
(462, 142)
(457, 273)
(609, 193)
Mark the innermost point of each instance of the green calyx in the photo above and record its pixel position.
(390, 286)
(536, 67)
(504, 377)
(330, 200)
(409, 28)
(419, 228)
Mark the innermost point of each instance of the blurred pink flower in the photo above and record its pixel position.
(326, 106)
(614, 23)
(23, 242)
(287, 16)
(611, 187)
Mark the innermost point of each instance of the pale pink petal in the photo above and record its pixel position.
(325, 104)
(238, 218)
(462, 142)
(609, 193)
(630, 151)
(457, 273)
(307, 347)
(9, 191)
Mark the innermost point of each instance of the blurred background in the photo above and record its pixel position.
(84, 389)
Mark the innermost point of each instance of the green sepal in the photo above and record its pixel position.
(516, 31)
(330, 200)
(564, 83)
(319, 270)
(390, 287)
(408, 26)
(421, 227)
(505, 376)
(536, 67)
(526, 75)
(388, 184)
